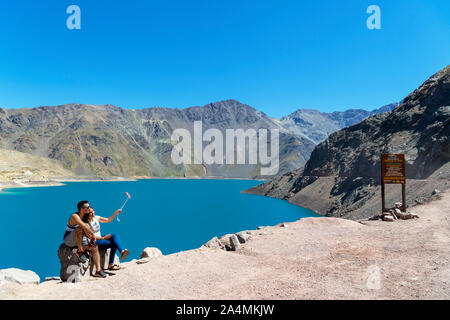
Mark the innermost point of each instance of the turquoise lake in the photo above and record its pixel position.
(170, 214)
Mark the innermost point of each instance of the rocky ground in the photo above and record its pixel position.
(313, 258)
(357, 199)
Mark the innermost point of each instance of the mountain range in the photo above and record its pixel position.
(107, 140)
(317, 126)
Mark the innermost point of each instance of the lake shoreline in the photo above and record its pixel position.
(60, 181)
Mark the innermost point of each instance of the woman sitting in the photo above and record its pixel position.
(109, 241)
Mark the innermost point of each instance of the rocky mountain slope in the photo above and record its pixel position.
(111, 141)
(107, 140)
(342, 176)
(317, 126)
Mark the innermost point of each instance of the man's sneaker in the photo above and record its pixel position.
(82, 256)
(100, 274)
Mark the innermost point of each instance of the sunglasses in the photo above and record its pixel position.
(87, 207)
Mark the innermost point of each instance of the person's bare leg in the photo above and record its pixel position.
(79, 238)
(96, 258)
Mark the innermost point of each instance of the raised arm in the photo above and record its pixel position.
(104, 220)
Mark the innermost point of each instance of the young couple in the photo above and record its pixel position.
(83, 231)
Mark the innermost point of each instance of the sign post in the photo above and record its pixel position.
(393, 171)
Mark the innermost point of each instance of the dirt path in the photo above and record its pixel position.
(314, 258)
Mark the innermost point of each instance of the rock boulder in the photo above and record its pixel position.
(151, 253)
(215, 243)
(234, 242)
(243, 236)
(19, 276)
(73, 270)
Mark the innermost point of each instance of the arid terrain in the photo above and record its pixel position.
(19, 169)
(313, 258)
(22, 170)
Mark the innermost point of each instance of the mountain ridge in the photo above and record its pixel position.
(112, 141)
(317, 125)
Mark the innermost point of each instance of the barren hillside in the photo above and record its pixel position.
(18, 166)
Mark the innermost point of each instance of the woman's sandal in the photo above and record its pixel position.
(124, 254)
(114, 267)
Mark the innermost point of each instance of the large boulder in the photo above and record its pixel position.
(150, 253)
(19, 276)
(73, 270)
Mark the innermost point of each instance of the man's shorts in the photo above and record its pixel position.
(69, 240)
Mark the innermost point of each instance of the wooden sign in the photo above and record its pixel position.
(393, 169)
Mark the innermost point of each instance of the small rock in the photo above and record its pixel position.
(283, 225)
(20, 276)
(52, 279)
(419, 200)
(391, 213)
(435, 191)
(234, 243)
(151, 253)
(214, 243)
(243, 236)
(409, 215)
(142, 261)
(402, 216)
(259, 228)
(264, 233)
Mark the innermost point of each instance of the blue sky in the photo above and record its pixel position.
(277, 56)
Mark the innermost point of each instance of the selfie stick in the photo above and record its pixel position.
(128, 197)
